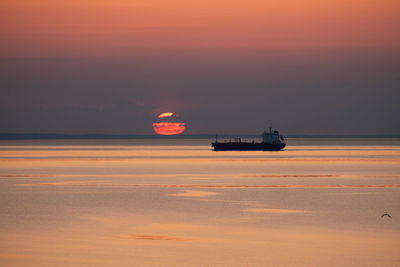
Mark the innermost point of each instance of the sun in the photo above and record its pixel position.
(169, 128)
(168, 125)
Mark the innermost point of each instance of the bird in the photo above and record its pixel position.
(386, 214)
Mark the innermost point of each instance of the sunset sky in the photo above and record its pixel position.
(307, 66)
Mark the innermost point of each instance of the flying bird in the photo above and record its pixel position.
(386, 214)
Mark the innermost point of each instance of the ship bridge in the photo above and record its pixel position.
(271, 137)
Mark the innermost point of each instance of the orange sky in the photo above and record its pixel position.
(60, 28)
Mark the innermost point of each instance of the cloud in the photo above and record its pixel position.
(155, 238)
(282, 211)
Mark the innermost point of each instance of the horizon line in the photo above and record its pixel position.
(28, 136)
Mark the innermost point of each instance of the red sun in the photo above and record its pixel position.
(168, 127)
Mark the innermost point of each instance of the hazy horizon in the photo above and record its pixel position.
(6, 136)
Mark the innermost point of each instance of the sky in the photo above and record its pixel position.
(111, 67)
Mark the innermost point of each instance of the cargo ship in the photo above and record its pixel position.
(271, 141)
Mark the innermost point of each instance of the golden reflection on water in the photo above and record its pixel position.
(182, 205)
(193, 193)
(202, 193)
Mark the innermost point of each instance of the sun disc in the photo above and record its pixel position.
(169, 128)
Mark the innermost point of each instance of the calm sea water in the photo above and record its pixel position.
(177, 203)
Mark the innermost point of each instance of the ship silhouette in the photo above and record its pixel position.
(271, 141)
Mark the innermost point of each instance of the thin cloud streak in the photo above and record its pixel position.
(155, 238)
(280, 211)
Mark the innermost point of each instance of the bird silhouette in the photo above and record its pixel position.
(386, 214)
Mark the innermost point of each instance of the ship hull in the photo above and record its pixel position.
(247, 146)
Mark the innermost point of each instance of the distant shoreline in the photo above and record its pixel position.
(35, 136)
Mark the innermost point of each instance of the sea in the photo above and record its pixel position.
(175, 202)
